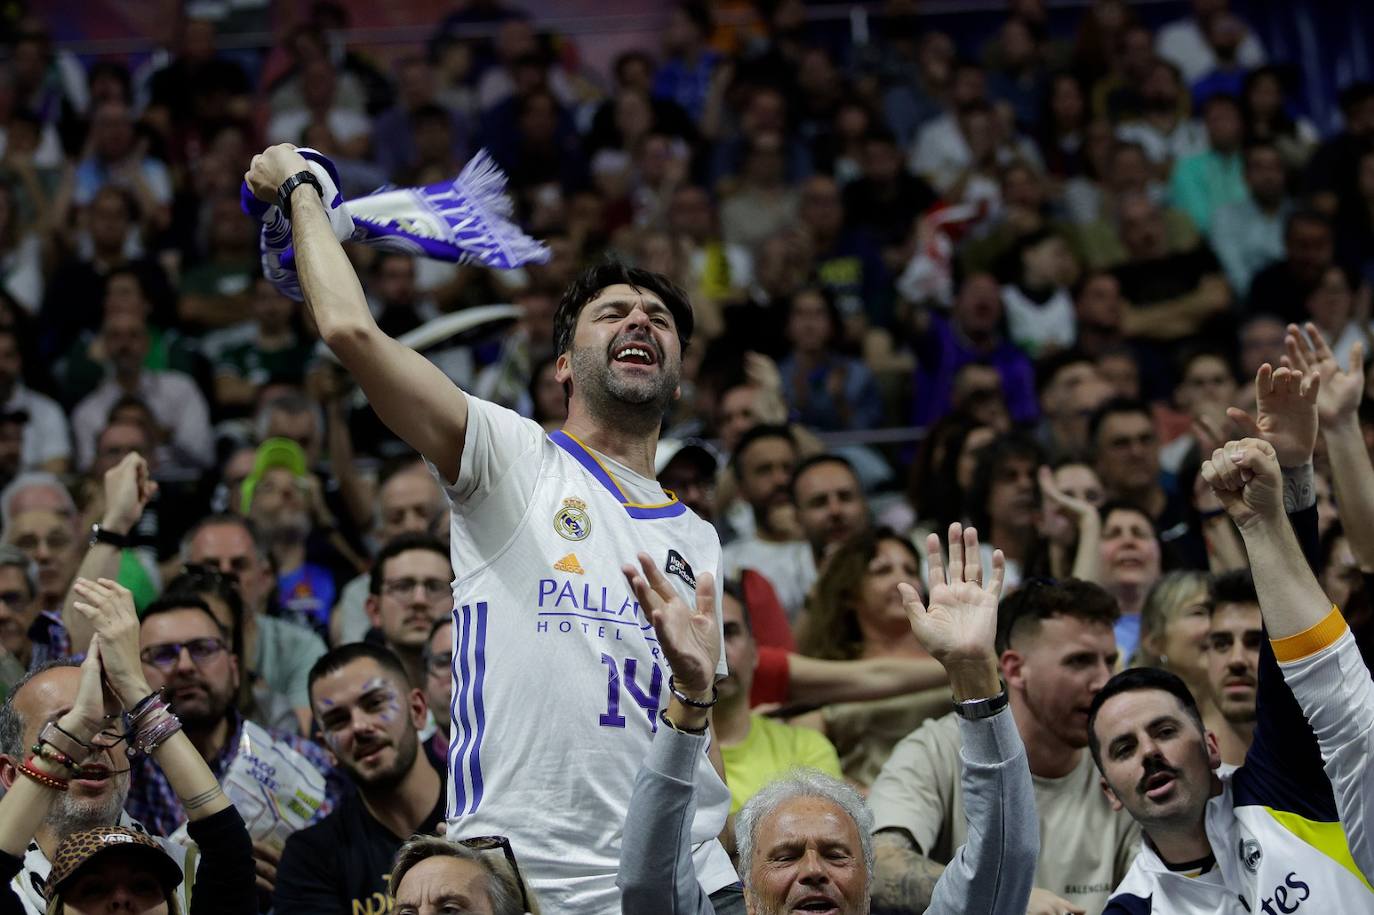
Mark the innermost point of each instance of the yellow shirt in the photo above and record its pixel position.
(772, 749)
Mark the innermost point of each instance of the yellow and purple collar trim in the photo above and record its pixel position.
(593, 465)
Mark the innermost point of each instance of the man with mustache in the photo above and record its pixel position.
(763, 463)
(1288, 831)
(370, 717)
(557, 678)
(1234, 634)
(410, 589)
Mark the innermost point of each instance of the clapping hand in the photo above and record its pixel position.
(85, 719)
(108, 608)
(689, 635)
(1341, 389)
(1287, 418)
(958, 626)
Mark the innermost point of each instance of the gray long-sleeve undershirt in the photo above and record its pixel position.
(992, 873)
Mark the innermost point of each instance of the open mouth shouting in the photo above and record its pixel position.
(635, 352)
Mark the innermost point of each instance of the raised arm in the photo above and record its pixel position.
(1087, 524)
(657, 876)
(1338, 405)
(28, 800)
(994, 871)
(411, 395)
(1246, 476)
(128, 488)
(109, 609)
(1311, 643)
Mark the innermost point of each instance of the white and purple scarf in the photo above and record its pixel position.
(466, 220)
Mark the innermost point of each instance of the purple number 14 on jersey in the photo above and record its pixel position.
(612, 718)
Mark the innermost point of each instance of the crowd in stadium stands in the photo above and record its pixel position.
(1029, 288)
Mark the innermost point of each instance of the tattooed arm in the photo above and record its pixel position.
(903, 879)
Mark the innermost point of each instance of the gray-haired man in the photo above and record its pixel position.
(806, 839)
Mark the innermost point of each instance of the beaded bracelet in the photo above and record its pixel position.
(43, 778)
(53, 755)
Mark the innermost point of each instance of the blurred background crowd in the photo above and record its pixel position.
(1008, 266)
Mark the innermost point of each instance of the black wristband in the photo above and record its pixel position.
(686, 700)
(101, 535)
(290, 184)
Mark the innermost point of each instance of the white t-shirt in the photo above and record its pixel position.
(789, 567)
(558, 679)
(47, 436)
(1086, 848)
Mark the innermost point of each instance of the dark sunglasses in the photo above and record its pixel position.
(491, 843)
(165, 655)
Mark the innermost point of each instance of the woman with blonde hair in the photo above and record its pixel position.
(1174, 623)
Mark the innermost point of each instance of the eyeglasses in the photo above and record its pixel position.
(56, 542)
(164, 656)
(491, 843)
(439, 663)
(204, 574)
(404, 587)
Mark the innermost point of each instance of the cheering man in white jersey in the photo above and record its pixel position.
(558, 680)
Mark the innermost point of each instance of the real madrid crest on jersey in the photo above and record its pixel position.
(572, 521)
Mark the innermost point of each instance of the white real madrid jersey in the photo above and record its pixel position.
(557, 676)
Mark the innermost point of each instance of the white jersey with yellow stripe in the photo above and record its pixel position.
(1286, 839)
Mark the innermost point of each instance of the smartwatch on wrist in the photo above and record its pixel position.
(101, 535)
(290, 185)
(975, 709)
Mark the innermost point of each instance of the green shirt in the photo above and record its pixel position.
(259, 366)
(772, 749)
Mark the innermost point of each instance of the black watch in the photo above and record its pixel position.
(975, 709)
(101, 535)
(290, 184)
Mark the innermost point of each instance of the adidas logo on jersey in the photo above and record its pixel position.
(569, 563)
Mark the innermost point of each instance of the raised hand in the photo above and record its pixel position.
(1062, 503)
(689, 635)
(128, 489)
(1245, 476)
(958, 625)
(85, 719)
(270, 168)
(109, 609)
(1287, 419)
(1341, 389)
